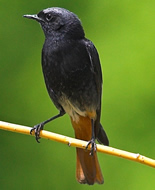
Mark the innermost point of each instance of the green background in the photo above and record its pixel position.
(124, 34)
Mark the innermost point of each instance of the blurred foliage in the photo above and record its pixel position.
(124, 34)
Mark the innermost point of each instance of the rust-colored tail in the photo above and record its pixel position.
(87, 166)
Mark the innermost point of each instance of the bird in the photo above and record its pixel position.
(73, 78)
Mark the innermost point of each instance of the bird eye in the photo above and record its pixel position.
(48, 17)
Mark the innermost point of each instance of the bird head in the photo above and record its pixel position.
(59, 22)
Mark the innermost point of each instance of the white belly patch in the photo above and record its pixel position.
(71, 109)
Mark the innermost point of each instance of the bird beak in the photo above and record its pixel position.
(35, 17)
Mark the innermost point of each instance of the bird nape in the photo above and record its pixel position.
(73, 78)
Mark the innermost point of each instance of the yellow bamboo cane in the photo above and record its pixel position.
(79, 143)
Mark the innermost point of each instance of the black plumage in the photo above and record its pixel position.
(71, 69)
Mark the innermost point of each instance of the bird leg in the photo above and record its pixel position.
(37, 128)
(92, 141)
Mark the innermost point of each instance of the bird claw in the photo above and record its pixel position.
(37, 128)
(93, 146)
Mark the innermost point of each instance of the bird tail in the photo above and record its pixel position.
(87, 166)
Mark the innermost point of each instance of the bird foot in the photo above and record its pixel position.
(93, 146)
(37, 128)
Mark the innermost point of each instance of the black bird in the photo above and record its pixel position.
(73, 78)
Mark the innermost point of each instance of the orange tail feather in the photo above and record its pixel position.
(87, 167)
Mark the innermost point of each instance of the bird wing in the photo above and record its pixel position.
(96, 69)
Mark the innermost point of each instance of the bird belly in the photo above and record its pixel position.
(74, 111)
